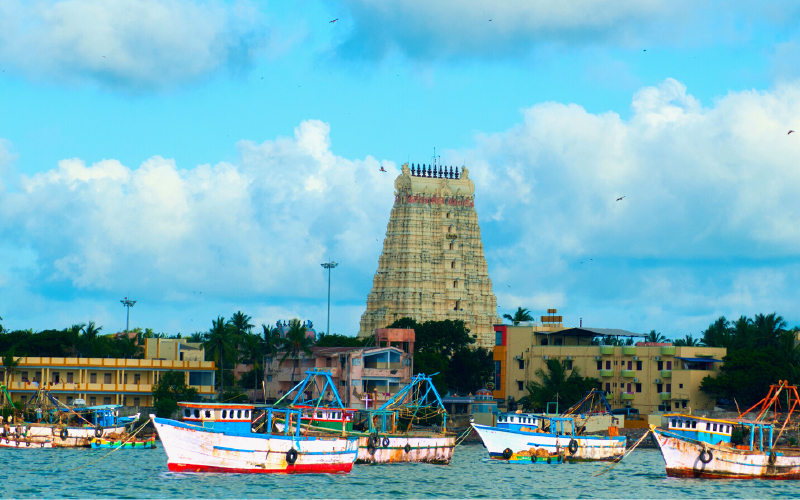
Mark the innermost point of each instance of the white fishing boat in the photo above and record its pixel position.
(520, 432)
(84, 424)
(23, 443)
(220, 438)
(696, 446)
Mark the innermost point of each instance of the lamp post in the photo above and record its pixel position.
(128, 304)
(329, 265)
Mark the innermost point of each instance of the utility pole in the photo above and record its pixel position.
(329, 265)
(128, 304)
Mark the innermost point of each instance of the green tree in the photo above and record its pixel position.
(688, 341)
(654, 336)
(768, 329)
(89, 339)
(296, 343)
(241, 323)
(744, 335)
(10, 362)
(747, 375)
(252, 352)
(470, 369)
(220, 344)
(197, 337)
(272, 341)
(718, 334)
(337, 340)
(74, 341)
(520, 315)
(556, 383)
(169, 391)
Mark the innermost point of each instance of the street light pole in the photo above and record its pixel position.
(128, 304)
(329, 265)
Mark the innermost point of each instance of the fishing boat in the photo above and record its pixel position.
(387, 434)
(124, 444)
(218, 437)
(23, 443)
(76, 427)
(696, 446)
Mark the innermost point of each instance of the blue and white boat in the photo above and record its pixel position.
(521, 433)
(218, 437)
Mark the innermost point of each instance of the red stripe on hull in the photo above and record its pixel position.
(291, 469)
(714, 475)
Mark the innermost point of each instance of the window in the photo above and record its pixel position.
(453, 265)
(186, 412)
(269, 378)
(558, 342)
(224, 413)
(568, 364)
(92, 400)
(680, 386)
(451, 245)
(629, 387)
(659, 387)
(181, 356)
(24, 376)
(638, 366)
(638, 387)
(56, 377)
(630, 365)
(599, 365)
(521, 364)
(208, 413)
(544, 341)
(669, 387)
(107, 378)
(247, 414)
(669, 365)
(694, 424)
(660, 365)
(107, 401)
(608, 365)
(136, 378)
(708, 426)
(715, 428)
(608, 386)
(92, 378)
(196, 413)
(135, 401)
(498, 338)
(498, 369)
(674, 423)
(455, 284)
(519, 385)
(239, 414)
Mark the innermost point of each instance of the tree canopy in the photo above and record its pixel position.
(557, 386)
(171, 389)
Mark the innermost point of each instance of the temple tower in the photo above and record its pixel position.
(432, 266)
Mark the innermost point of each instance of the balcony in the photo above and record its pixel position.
(666, 373)
(69, 387)
(628, 373)
(668, 351)
(626, 396)
(629, 350)
(665, 396)
(606, 373)
(606, 349)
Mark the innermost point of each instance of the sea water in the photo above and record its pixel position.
(46, 473)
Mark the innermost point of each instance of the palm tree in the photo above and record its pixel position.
(90, 337)
(74, 340)
(220, 342)
(557, 385)
(9, 363)
(654, 336)
(688, 341)
(769, 329)
(241, 323)
(718, 334)
(521, 315)
(296, 343)
(197, 337)
(252, 350)
(743, 333)
(128, 347)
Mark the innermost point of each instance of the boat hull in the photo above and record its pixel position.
(134, 444)
(77, 437)
(23, 443)
(682, 458)
(402, 448)
(191, 448)
(590, 448)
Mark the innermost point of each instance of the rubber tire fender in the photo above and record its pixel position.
(98, 431)
(407, 448)
(507, 453)
(703, 453)
(372, 442)
(291, 456)
(64, 433)
(772, 458)
(549, 460)
(385, 442)
(573, 446)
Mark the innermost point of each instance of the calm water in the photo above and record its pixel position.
(143, 474)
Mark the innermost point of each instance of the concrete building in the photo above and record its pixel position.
(432, 266)
(127, 382)
(648, 377)
(361, 374)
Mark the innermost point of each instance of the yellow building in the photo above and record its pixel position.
(127, 382)
(646, 376)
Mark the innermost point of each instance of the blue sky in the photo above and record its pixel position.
(205, 157)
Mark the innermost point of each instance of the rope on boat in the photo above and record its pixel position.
(460, 439)
(625, 455)
(115, 449)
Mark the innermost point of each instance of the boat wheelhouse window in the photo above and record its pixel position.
(239, 414)
(694, 424)
(208, 413)
(196, 413)
(708, 426)
(247, 414)
(187, 412)
(674, 423)
(224, 413)
(715, 427)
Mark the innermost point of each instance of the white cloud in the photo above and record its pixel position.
(128, 43)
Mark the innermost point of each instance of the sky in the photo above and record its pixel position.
(205, 157)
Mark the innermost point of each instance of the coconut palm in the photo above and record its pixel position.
(654, 336)
(557, 385)
(252, 350)
(296, 343)
(688, 341)
(89, 337)
(74, 341)
(521, 315)
(718, 334)
(197, 337)
(241, 323)
(768, 329)
(9, 364)
(743, 333)
(220, 343)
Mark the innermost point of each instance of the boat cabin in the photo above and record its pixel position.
(328, 418)
(224, 417)
(531, 422)
(707, 430)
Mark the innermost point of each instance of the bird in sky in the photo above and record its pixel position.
(334, 20)
(645, 50)
(620, 198)
(790, 132)
(383, 169)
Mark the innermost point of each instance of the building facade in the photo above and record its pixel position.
(363, 375)
(432, 266)
(646, 376)
(127, 382)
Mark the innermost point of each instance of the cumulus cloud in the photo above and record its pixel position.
(128, 43)
(710, 202)
(447, 28)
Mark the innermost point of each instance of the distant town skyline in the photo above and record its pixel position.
(632, 162)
